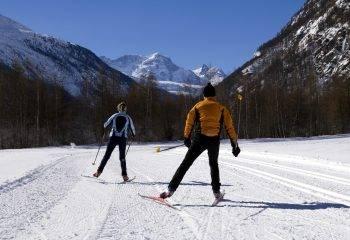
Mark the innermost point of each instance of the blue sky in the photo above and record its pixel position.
(192, 32)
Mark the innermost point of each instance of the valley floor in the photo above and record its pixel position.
(276, 189)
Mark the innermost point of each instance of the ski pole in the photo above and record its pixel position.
(166, 149)
(129, 147)
(239, 113)
(103, 136)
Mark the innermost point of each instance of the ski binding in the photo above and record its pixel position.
(130, 179)
(218, 200)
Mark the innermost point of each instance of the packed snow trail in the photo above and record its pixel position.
(276, 189)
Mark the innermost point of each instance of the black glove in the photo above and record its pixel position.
(187, 142)
(235, 149)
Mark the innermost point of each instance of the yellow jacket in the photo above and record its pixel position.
(210, 115)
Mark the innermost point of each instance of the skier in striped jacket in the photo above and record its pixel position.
(121, 124)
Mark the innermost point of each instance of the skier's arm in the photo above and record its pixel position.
(190, 122)
(230, 129)
(106, 124)
(132, 127)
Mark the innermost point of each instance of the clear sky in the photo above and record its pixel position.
(192, 32)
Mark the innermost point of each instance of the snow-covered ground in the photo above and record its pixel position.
(276, 189)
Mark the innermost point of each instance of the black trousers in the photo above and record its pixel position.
(112, 143)
(200, 144)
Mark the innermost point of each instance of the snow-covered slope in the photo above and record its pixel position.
(169, 76)
(276, 189)
(315, 42)
(210, 74)
(127, 64)
(53, 59)
(299, 79)
(326, 35)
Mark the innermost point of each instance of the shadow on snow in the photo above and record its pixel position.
(237, 204)
(191, 183)
(271, 205)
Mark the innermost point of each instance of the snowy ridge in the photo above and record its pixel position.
(57, 61)
(320, 30)
(210, 74)
(165, 70)
(168, 75)
(127, 64)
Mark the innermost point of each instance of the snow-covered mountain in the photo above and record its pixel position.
(210, 74)
(297, 84)
(315, 42)
(53, 59)
(169, 76)
(127, 64)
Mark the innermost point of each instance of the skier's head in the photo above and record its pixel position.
(121, 107)
(209, 90)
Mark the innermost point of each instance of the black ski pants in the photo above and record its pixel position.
(112, 143)
(200, 144)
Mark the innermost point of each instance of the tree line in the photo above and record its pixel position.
(288, 101)
(278, 102)
(35, 112)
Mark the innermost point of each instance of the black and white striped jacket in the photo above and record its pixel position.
(121, 124)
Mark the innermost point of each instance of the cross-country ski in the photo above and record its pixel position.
(159, 200)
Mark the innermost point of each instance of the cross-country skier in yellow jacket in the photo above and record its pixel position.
(205, 120)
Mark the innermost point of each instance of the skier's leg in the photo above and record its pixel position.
(193, 152)
(110, 147)
(122, 147)
(213, 154)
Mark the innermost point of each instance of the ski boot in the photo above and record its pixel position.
(125, 178)
(97, 174)
(166, 194)
(218, 195)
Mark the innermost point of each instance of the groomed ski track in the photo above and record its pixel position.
(276, 189)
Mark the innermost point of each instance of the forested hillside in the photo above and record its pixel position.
(36, 113)
(297, 84)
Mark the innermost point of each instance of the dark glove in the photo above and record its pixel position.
(235, 149)
(187, 142)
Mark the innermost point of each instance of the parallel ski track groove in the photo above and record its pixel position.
(307, 188)
(319, 192)
(36, 197)
(189, 220)
(30, 176)
(111, 206)
(314, 174)
(306, 220)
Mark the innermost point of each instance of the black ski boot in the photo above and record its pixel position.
(97, 174)
(166, 194)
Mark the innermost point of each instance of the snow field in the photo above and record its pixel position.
(276, 189)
